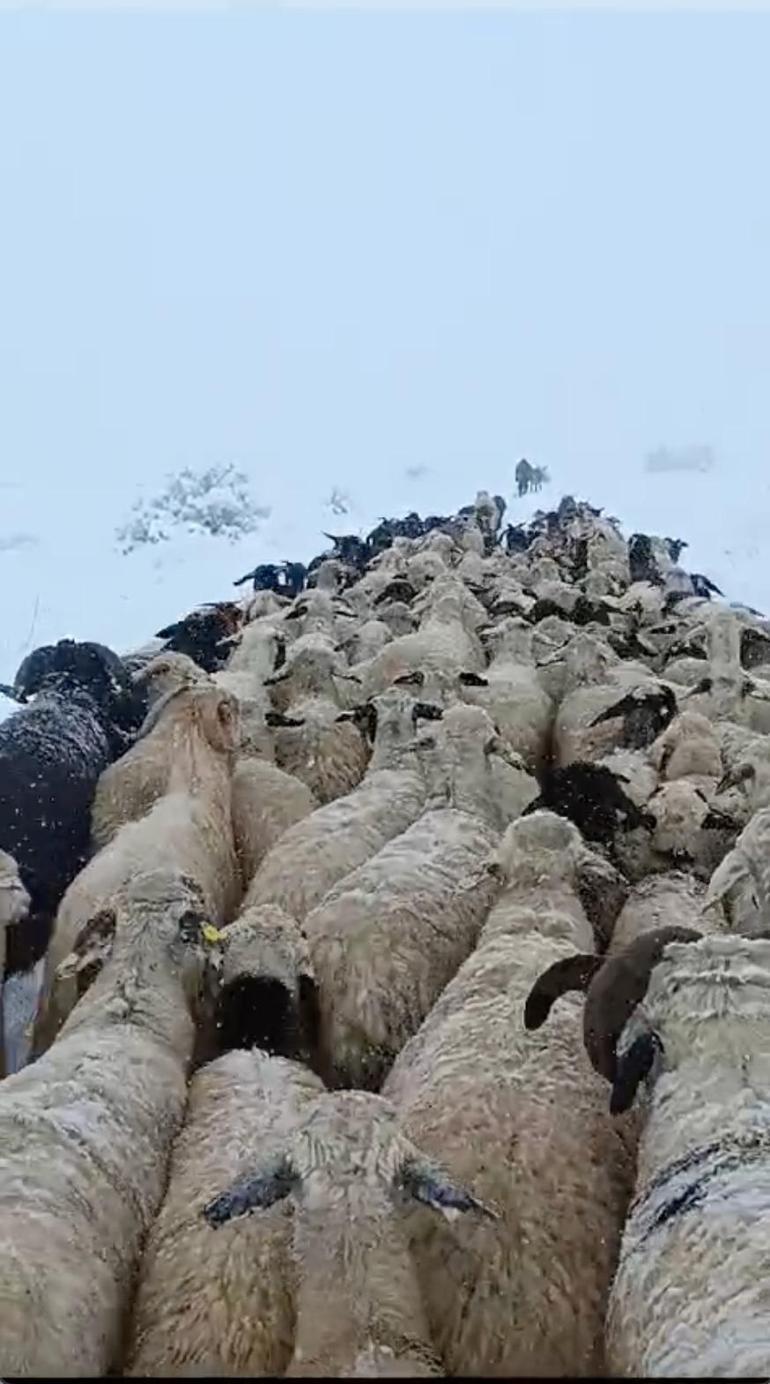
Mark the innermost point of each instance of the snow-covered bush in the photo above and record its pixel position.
(214, 502)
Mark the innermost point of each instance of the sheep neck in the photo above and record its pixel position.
(357, 1288)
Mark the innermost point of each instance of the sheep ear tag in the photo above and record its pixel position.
(212, 934)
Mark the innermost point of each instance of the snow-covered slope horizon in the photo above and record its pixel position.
(62, 574)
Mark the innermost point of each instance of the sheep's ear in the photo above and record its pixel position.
(571, 973)
(719, 821)
(277, 718)
(275, 678)
(429, 1184)
(631, 1069)
(753, 689)
(274, 1184)
(700, 688)
(611, 713)
(473, 680)
(91, 950)
(280, 653)
(734, 777)
(427, 711)
(415, 679)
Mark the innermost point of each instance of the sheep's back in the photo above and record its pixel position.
(222, 1303)
(523, 1119)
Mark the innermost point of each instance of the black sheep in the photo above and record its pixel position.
(99, 671)
(52, 752)
(265, 577)
(590, 795)
(205, 635)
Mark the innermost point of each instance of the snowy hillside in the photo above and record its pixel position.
(62, 573)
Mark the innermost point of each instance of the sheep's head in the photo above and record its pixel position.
(14, 899)
(544, 569)
(168, 672)
(753, 775)
(688, 729)
(206, 634)
(736, 882)
(260, 649)
(268, 996)
(389, 721)
(219, 718)
(96, 670)
(511, 638)
(157, 909)
(543, 846)
(614, 986)
(587, 660)
(313, 667)
(592, 797)
(398, 617)
(646, 711)
(348, 1152)
(680, 810)
(399, 589)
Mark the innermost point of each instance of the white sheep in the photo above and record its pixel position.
(739, 888)
(688, 1295)
(366, 640)
(14, 908)
(267, 992)
(266, 802)
(446, 639)
(684, 828)
(670, 899)
(389, 936)
(191, 830)
(317, 852)
(320, 612)
(747, 773)
(311, 742)
(166, 672)
(510, 692)
(86, 1131)
(596, 713)
(353, 1177)
(398, 618)
(222, 1304)
(688, 748)
(522, 1117)
(260, 653)
(727, 692)
(188, 734)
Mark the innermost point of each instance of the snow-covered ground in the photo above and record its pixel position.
(62, 573)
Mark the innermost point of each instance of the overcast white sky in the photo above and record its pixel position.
(328, 247)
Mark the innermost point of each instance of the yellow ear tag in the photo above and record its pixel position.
(212, 934)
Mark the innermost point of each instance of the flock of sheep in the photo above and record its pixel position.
(405, 957)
